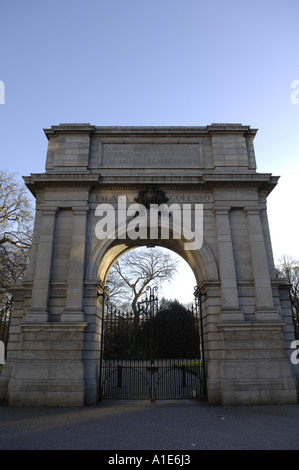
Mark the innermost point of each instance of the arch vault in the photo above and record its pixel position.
(54, 353)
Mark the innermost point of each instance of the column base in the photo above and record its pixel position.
(267, 314)
(36, 315)
(72, 315)
(232, 315)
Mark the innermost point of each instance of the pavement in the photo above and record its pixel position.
(169, 425)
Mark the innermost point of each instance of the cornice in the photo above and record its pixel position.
(203, 182)
(86, 128)
(39, 181)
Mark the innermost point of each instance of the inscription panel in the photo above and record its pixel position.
(152, 155)
(182, 197)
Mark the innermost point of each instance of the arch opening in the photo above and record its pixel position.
(157, 353)
(159, 267)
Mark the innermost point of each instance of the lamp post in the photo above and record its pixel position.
(104, 294)
(150, 303)
(198, 304)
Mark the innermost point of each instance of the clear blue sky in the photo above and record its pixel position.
(158, 62)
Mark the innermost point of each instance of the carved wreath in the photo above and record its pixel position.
(151, 195)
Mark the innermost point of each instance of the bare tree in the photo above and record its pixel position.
(16, 225)
(288, 268)
(135, 270)
(16, 212)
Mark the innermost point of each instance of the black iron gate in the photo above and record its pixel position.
(155, 353)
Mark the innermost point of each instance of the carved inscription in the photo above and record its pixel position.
(199, 197)
(152, 155)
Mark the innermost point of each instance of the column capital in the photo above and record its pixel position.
(81, 210)
(49, 210)
(253, 210)
(221, 210)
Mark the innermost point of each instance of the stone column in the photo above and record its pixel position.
(229, 291)
(74, 300)
(38, 311)
(265, 309)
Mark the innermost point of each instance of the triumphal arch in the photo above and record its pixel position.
(209, 175)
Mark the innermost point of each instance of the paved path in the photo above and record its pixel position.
(139, 425)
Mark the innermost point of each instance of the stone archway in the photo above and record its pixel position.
(53, 351)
